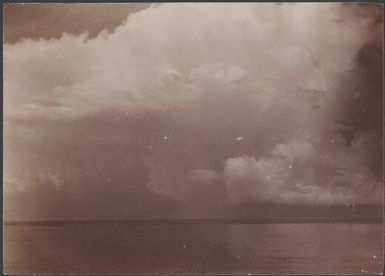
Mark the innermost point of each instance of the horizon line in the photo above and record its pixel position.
(375, 219)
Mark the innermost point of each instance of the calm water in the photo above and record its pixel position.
(196, 249)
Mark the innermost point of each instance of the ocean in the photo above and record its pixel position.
(263, 248)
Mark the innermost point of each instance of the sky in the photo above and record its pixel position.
(116, 111)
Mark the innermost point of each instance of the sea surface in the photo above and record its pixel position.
(278, 248)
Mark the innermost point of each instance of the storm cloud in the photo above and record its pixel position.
(193, 107)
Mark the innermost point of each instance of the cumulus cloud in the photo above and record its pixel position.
(296, 173)
(156, 105)
(75, 76)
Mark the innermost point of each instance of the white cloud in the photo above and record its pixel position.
(203, 176)
(294, 151)
(224, 74)
(169, 43)
(335, 176)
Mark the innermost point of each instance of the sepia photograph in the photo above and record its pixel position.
(193, 138)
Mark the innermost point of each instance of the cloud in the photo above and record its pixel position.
(74, 76)
(203, 176)
(150, 111)
(296, 173)
(270, 179)
(52, 20)
(219, 73)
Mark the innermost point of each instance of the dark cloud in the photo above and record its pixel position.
(49, 20)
